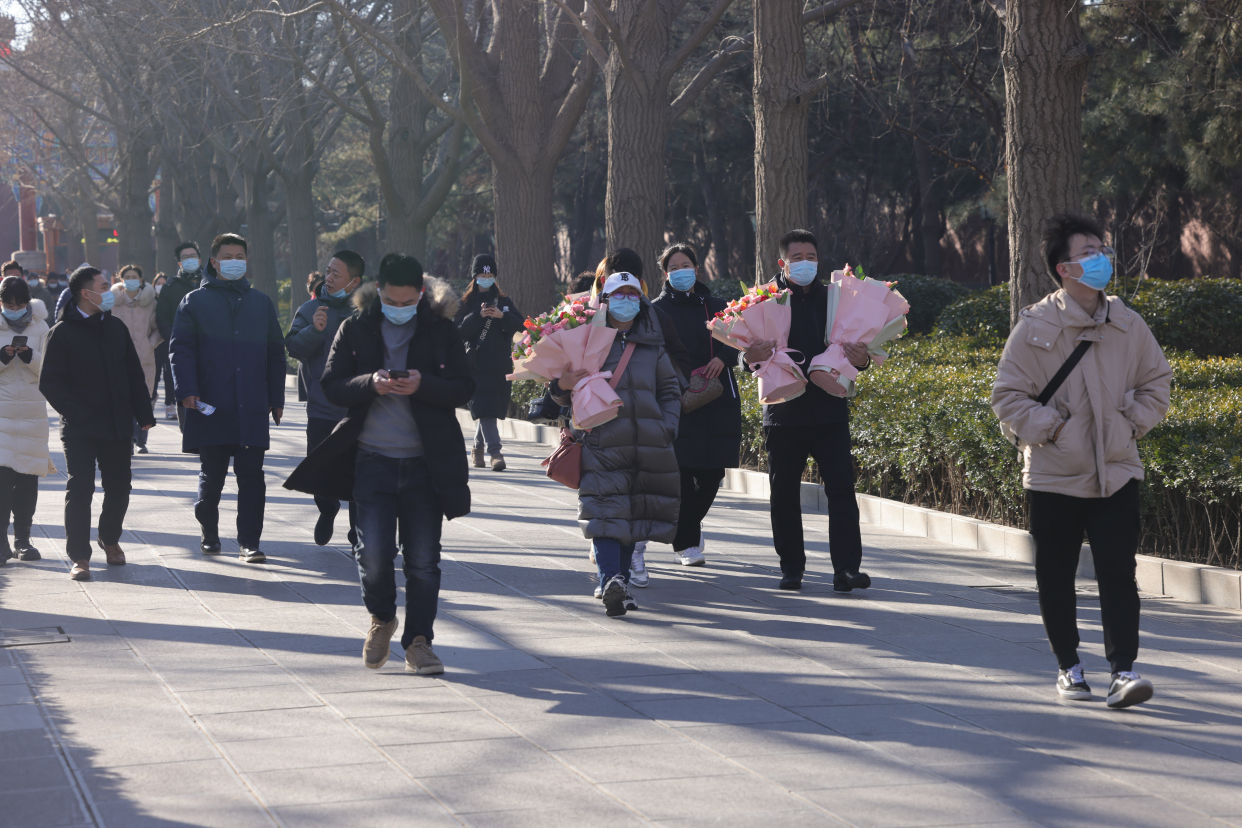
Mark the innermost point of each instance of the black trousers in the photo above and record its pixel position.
(1112, 527)
(82, 454)
(788, 448)
(251, 491)
(163, 370)
(19, 495)
(698, 492)
(317, 430)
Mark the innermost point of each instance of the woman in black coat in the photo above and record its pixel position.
(487, 321)
(709, 439)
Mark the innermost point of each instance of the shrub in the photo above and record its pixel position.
(928, 296)
(1199, 315)
(983, 316)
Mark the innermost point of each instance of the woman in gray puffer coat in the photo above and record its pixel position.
(631, 486)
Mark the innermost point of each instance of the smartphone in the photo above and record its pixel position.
(398, 373)
(206, 408)
(19, 342)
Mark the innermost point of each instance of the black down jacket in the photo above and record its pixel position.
(489, 344)
(631, 486)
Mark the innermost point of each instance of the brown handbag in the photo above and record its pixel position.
(564, 464)
(700, 392)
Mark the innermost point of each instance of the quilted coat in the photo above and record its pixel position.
(22, 408)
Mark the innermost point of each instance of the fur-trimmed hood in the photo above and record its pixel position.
(438, 296)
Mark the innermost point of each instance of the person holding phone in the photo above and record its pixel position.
(487, 321)
(310, 336)
(400, 368)
(227, 351)
(23, 454)
(92, 377)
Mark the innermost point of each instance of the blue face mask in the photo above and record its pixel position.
(682, 279)
(623, 308)
(14, 315)
(337, 294)
(106, 300)
(132, 285)
(190, 265)
(232, 269)
(1097, 271)
(484, 282)
(396, 315)
(803, 273)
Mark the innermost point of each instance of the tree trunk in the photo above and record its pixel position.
(781, 101)
(300, 218)
(166, 238)
(133, 219)
(638, 118)
(1045, 62)
(525, 240)
(260, 234)
(930, 227)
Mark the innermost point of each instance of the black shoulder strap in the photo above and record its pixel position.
(1063, 372)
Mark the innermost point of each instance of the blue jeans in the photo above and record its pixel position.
(487, 433)
(612, 557)
(397, 509)
(251, 491)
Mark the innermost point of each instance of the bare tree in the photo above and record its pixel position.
(1045, 61)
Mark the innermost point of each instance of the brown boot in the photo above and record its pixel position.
(498, 462)
(379, 637)
(477, 457)
(81, 571)
(112, 551)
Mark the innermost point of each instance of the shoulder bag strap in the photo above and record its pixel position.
(1063, 372)
(620, 369)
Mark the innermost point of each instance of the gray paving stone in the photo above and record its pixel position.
(468, 757)
(549, 790)
(42, 808)
(920, 804)
(415, 697)
(432, 727)
(332, 783)
(672, 761)
(399, 812)
(741, 799)
(293, 752)
(19, 773)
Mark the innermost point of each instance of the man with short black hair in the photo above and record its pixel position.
(228, 365)
(92, 377)
(310, 336)
(400, 367)
(189, 276)
(1080, 381)
(815, 424)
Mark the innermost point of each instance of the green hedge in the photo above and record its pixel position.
(928, 297)
(983, 316)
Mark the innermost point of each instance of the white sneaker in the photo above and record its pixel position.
(629, 602)
(691, 556)
(638, 566)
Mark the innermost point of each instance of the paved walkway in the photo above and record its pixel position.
(204, 691)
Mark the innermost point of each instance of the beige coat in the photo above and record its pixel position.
(22, 408)
(138, 314)
(1115, 395)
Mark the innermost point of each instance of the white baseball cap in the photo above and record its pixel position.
(620, 280)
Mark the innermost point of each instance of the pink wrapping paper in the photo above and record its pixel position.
(583, 348)
(780, 378)
(865, 307)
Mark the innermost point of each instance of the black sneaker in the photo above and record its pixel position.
(613, 596)
(323, 528)
(791, 581)
(1128, 688)
(209, 546)
(1072, 685)
(849, 581)
(24, 551)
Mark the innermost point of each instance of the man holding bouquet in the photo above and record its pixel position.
(813, 424)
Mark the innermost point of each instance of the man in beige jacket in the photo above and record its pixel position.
(1081, 464)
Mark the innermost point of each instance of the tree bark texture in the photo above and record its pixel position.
(134, 216)
(782, 99)
(636, 89)
(300, 218)
(260, 233)
(1045, 63)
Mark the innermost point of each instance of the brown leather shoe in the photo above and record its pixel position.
(81, 571)
(113, 552)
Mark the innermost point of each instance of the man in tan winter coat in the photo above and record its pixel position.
(1078, 438)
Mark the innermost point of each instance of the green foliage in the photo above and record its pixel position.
(1199, 315)
(928, 296)
(983, 316)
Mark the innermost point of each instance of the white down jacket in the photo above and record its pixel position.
(1115, 395)
(22, 408)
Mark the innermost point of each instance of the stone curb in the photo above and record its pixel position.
(1195, 583)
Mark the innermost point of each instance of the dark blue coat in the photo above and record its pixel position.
(310, 348)
(227, 350)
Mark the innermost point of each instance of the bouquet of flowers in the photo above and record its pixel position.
(570, 337)
(762, 315)
(862, 310)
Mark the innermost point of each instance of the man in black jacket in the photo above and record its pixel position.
(189, 275)
(92, 377)
(815, 424)
(400, 368)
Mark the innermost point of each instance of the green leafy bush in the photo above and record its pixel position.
(1199, 315)
(983, 316)
(928, 296)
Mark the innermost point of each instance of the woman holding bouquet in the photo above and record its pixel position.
(487, 321)
(630, 483)
(710, 437)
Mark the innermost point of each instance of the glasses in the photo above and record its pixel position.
(1103, 251)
